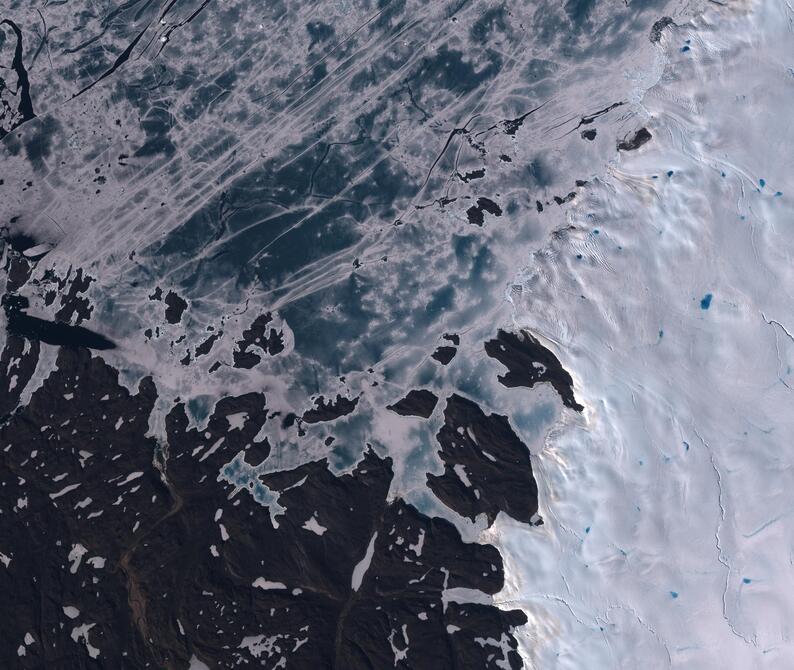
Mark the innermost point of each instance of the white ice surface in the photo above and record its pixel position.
(669, 518)
(314, 526)
(196, 664)
(262, 583)
(71, 611)
(363, 565)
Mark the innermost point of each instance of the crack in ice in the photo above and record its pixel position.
(643, 623)
(721, 555)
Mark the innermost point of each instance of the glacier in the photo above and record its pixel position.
(671, 533)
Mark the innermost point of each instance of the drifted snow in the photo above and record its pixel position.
(363, 565)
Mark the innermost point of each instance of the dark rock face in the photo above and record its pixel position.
(206, 346)
(475, 213)
(75, 308)
(487, 468)
(18, 270)
(528, 363)
(175, 307)
(77, 484)
(642, 136)
(658, 28)
(20, 356)
(444, 354)
(471, 176)
(511, 126)
(418, 402)
(18, 362)
(121, 552)
(401, 598)
(257, 336)
(219, 442)
(329, 410)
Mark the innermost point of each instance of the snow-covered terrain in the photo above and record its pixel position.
(670, 540)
